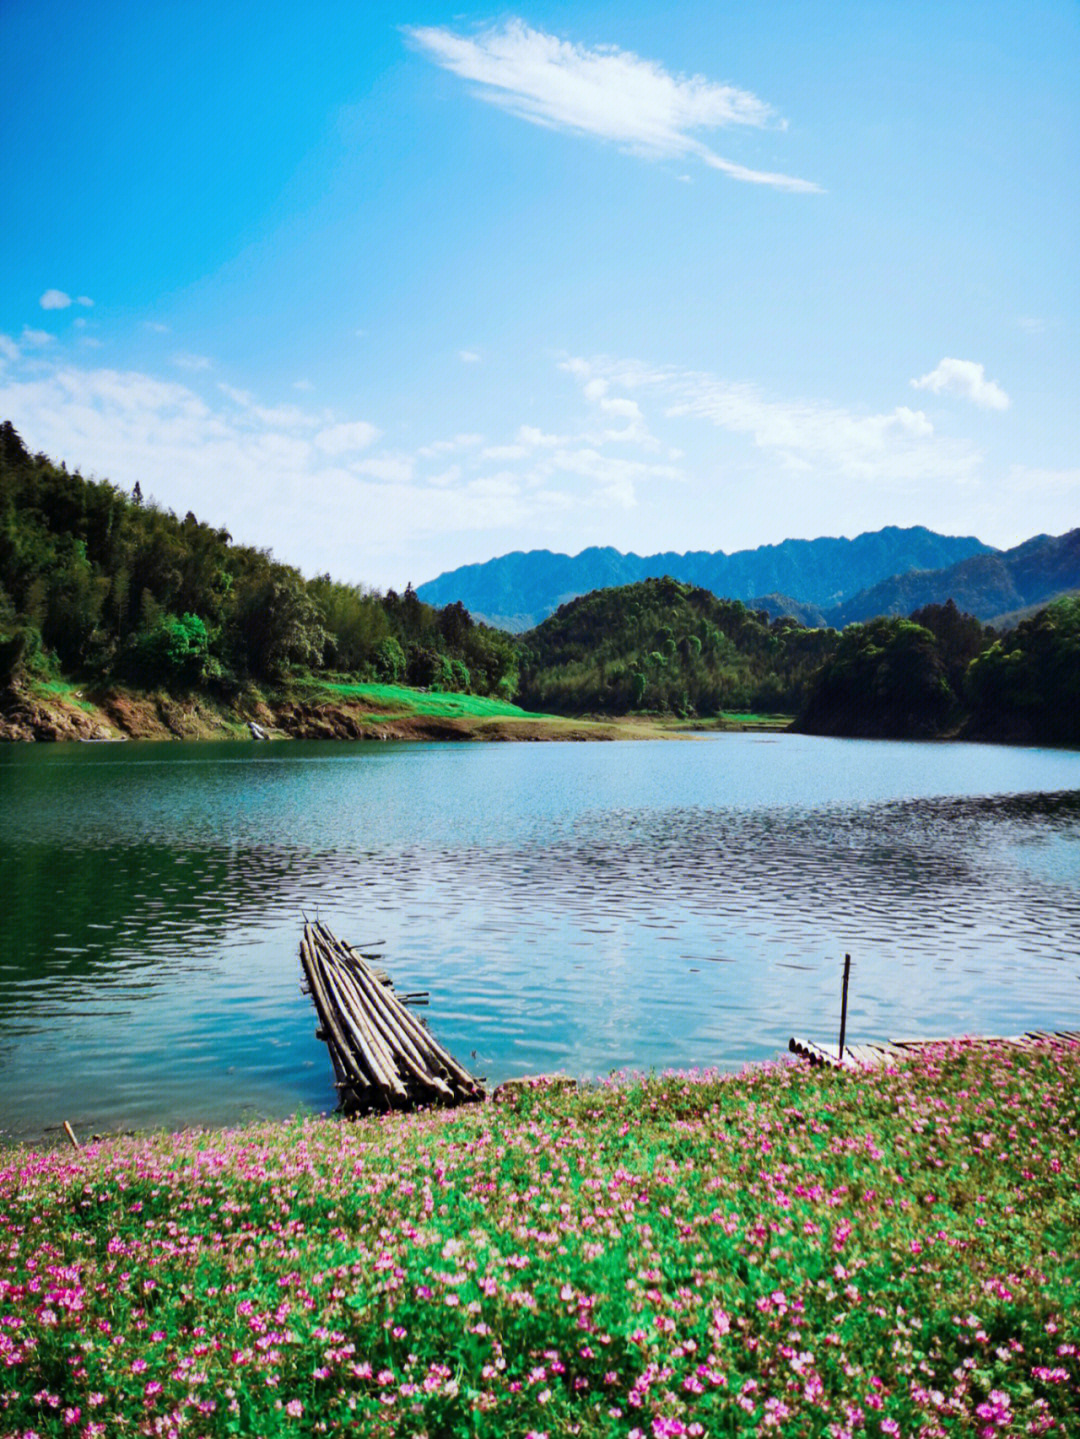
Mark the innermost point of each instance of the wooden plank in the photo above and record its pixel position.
(814, 1052)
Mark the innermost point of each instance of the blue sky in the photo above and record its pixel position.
(391, 288)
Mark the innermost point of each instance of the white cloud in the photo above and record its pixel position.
(445, 477)
(1033, 324)
(36, 337)
(607, 92)
(504, 452)
(536, 438)
(239, 397)
(54, 300)
(469, 357)
(446, 447)
(348, 438)
(966, 378)
(155, 327)
(616, 479)
(806, 435)
(303, 385)
(9, 350)
(389, 469)
(84, 300)
(913, 421)
(186, 361)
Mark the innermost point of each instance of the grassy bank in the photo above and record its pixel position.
(309, 708)
(784, 1252)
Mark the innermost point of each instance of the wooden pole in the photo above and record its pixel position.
(70, 1134)
(843, 1007)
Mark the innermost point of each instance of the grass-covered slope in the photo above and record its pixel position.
(786, 1252)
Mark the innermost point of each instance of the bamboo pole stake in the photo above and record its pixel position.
(843, 1007)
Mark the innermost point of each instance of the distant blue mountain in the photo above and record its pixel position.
(518, 590)
(986, 585)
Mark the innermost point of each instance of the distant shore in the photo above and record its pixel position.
(64, 712)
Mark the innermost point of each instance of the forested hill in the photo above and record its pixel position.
(518, 590)
(665, 646)
(102, 585)
(986, 585)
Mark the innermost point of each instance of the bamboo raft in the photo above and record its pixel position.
(894, 1051)
(383, 1056)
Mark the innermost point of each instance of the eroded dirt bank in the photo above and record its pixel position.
(122, 714)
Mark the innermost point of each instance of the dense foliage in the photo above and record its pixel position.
(117, 588)
(667, 647)
(887, 678)
(943, 672)
(1027, 684)
(786, 1252)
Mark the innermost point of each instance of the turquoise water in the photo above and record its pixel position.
(586, 907)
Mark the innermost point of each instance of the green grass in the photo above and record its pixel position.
(787, 1252)
(63, 690)
(400, 700)
(741, 717)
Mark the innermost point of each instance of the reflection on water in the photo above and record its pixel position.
(587, 907)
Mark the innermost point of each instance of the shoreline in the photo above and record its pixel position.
(63, 713)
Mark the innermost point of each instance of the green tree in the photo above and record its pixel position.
(885, 679)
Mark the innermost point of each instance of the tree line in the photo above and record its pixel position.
(110, 586)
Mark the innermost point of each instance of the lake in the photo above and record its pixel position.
(582, 907)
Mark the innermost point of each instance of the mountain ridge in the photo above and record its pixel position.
(987, 585)
(518, 590)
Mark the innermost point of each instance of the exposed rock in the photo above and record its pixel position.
(24, 717)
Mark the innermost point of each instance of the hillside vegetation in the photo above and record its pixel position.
(665, 646)
(126, 617)
(115, 589)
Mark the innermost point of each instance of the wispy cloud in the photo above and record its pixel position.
(389, 469)
(446, 447)
(965, 378)
(469, 357)
(347, 438)
(806, 435)
(36, 338)
(607, 92)
(58, 300)
(186, 361)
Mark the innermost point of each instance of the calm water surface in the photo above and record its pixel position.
(586, 907)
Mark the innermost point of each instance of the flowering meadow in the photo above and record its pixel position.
(787, 1251)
